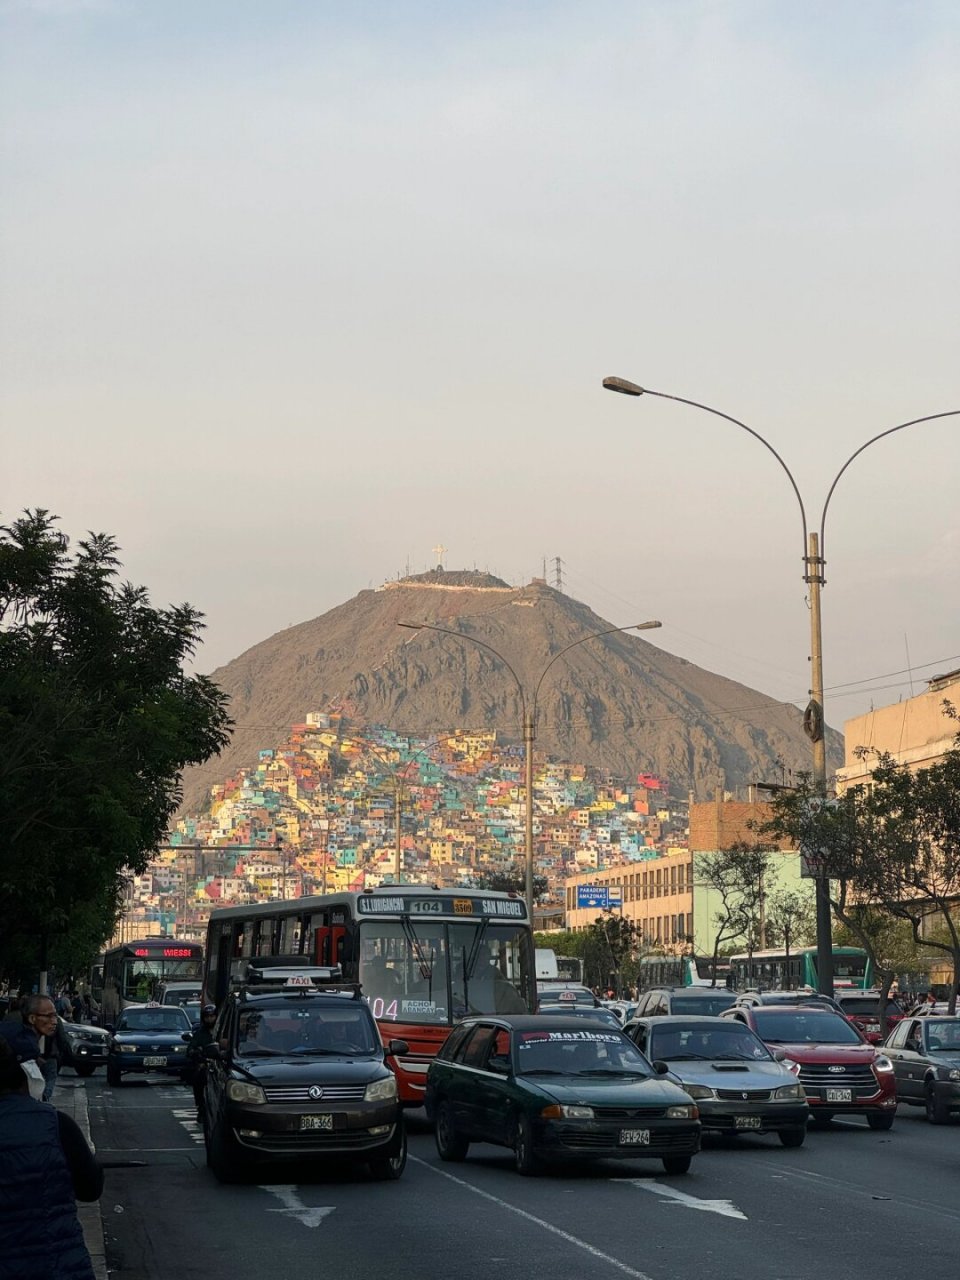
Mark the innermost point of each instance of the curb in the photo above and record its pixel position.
(91, 1219)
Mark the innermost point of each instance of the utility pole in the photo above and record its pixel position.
(813, 727)
(397, 815)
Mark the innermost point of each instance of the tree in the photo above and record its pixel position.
(790, 920)
(98, 720)
(736, 876)
(513, 880)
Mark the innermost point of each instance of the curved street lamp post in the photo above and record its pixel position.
(814, 563)
(528, 708)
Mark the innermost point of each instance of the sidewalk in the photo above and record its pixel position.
(71, 1098)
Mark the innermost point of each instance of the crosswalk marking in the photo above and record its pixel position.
(188, 1120)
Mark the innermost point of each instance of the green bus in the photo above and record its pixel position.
(781, 970)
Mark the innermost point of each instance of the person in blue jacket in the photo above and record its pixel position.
(45, 1167)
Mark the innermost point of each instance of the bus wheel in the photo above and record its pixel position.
(450, 1145)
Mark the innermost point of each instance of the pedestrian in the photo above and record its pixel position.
(20, 1033)
(196, 1072)
(40, 1017)
(63, 1006)
(76, 1006)
(45, 1167)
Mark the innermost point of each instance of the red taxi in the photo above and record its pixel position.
(841, 1073)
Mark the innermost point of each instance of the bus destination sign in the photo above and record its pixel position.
(441, 905)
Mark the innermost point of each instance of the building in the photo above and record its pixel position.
(916, 732)
(656, 894)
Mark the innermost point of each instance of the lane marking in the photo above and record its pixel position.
(529, 1217)
(293, 1206)
(865, 1193)
(725, 1208)
(187, 1118)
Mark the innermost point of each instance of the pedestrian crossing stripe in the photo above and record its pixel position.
(188, 1120)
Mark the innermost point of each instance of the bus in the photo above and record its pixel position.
(424, 957)
(682, 971)
(779, 971)
(133, 972)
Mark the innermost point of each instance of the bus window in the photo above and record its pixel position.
(263, 943)
(291, 932)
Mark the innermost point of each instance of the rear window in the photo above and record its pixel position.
(804, 1026)
(709, 1005)
(867, 1004)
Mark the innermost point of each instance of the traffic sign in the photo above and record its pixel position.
(592, 896)
(615, 895)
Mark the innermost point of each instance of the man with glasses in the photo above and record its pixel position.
(37, 1039)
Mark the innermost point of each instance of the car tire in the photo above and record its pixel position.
(821, 1117)
(85, 1070)
(676, 1164)
(390, 1168)
(792, 1137)
(114, 1076)
(880, 1120)
(937, 1113)
(527, 1162)
(451, 1146)
(222, 1156)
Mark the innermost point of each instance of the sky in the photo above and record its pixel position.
(293, 292)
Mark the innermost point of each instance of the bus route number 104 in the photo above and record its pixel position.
(426, 907)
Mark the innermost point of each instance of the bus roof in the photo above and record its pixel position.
(391, 900)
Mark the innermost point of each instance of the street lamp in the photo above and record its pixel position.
(814, 563)
(528, 709)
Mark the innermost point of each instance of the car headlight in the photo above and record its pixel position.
(882, 1063)
(128, 1048)
(241, 1091)
(699, 1091)
(953, 1074)
(179, 1048)
(557, 1112)
(381, 1090)
(682, 1113)
(789, 1091)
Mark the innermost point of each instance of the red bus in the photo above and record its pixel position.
(425, 957)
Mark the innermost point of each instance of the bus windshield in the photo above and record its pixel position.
(420, 970)
(141, 976)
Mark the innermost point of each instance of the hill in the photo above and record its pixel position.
(619, 702)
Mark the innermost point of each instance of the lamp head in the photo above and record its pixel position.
(623, 386)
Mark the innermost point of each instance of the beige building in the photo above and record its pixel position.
(916, 732)
(656, 894)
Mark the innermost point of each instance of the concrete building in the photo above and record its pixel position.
(916, 732)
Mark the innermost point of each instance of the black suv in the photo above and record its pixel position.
(299, 1073)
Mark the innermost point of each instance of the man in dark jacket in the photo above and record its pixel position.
(45, 1167)
(196, 1063)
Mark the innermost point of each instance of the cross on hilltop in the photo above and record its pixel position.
(440, 551)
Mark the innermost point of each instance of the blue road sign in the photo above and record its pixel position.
(592, 896)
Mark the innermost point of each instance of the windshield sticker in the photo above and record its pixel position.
(529, 1038)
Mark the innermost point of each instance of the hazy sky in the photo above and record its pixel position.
(293, 291)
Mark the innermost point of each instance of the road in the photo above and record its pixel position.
(848, 1203)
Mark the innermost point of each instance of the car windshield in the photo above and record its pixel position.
(302, 1028)
(942, 1037)
(708, 1005)
(674, 1042)
(606, 1016)
(158, 1019)
(804, 1026)
(578, 1053)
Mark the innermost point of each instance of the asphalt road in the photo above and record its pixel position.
(847, 1204)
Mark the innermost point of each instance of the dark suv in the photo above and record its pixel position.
(299, 1073)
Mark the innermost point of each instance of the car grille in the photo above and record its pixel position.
(331, 1093)
(314, 1140)
(627, 1113)
(858, 1077)
(744, 1095)
(667, 1140)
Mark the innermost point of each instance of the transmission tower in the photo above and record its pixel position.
(558, 573)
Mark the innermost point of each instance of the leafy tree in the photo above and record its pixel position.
(98, 720)
(513, 880)
(790, 920)
(736, 876)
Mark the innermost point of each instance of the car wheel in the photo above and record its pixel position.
(525, 1157)
(676, 1164)
(85, 1070)
(937, 1113)
(792, 1137)
(390, 1168)
(222, 1155)
(450, 1145)
(882, 1120)
(821, 1117)
(114, 1075)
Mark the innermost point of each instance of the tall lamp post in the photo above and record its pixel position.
(528, 708)
(814, 563)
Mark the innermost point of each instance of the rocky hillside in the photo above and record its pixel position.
(619, 702)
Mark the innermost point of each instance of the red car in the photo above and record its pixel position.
(862, 1008)
(842, 1074)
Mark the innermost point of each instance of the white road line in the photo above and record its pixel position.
(725, 1208)
(547, 1226)
(293, 1206)
(188, 1121)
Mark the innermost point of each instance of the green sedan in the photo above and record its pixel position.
(555, 1088)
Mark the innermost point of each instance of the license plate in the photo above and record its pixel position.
(154, 1062)
(634, 1137)
(316, 1122)
(839, 1095)
(746, 1122)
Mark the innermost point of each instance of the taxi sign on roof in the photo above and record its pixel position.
(153, 1004)
(299, 980)
(568, 995)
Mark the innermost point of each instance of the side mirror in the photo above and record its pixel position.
(779, 1055)
(108, 1026)
(186, 1036)
(397, 1046)
(661, 1068)
(211, 1052)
